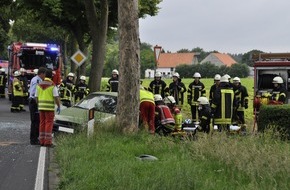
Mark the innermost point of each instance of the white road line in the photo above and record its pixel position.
(40, 169)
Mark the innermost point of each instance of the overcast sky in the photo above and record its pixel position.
(228, 26)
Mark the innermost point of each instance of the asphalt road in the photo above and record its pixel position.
(18, 159)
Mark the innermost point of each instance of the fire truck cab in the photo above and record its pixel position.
(266, 67)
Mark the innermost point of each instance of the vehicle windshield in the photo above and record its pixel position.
(101, 102)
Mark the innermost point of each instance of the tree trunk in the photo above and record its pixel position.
(98, 25)
(129, 48)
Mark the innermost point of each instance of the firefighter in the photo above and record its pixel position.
(23, 79)
(171, 103)
(279, 91)
(147, 109)
(17, 92)
(113, 82)
(240, 104)
(82, 89)
(177, 89)
(222, 104)
(204, 114)
(157, 86)
(3, 80)
(66, 90)
(195, 90)
(229, 78)
(164, 120)
(217, 79)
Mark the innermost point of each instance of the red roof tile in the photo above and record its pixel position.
(168, 60)
(225, 58)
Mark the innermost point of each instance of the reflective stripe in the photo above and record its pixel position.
(45, 97)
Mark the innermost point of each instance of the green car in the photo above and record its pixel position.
(73, 119)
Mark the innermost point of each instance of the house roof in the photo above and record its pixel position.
(168, 60)
(225, 59)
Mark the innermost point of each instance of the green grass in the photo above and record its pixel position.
(108, 161)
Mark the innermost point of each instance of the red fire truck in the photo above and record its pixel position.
(266, 67)
(31, 56)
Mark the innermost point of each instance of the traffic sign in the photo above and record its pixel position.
(78, 58)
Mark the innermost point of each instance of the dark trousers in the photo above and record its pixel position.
(2, 91)
(34, 117)
(16, 101)
(194, 113)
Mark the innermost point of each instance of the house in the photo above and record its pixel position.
(219, 59)
(167, 63)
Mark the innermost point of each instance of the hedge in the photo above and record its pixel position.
(276, 117)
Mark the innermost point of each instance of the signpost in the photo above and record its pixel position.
(157, 51)
(78, 58)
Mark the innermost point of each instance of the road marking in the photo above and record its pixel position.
(40, 169)
(8, 143)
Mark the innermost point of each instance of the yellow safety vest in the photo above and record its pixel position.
(146, 96)
(45, 95)
(17, 88)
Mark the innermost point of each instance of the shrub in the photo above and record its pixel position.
(276, 117)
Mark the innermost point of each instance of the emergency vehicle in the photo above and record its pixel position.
(266, 67)
(31, 56)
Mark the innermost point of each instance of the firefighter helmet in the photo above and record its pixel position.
(35, 71)
(228, 76)
(237, 79)
(22, 70)
(157, 74)
(157, 97)
(224, 79)
(115, 71)
(176, 75)
(2, 70)
(277, 80)
(217, 77)
(17, 73)
(83, 78)
(196, 75)
(71, 75)
(169, 100)
(203, 100)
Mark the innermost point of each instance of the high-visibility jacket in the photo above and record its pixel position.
(66, 90)
(279, 94)
(177, 89)
(177, 118)
(17, 87)
(163, 114)
(157, 87)
(241, 97)
(45, 95)
(3, 79)
(113, 84)
(195, 90)
(145, 95)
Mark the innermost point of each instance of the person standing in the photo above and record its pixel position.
(147, 109)
(17, 92)
(195, 90)
(113, 82)
(46, 97)
(34, 114)
(82, 89)
(3, 80)
(177, 89)
(66, 90)
(24, 82)
(216, 79)
(157, 86)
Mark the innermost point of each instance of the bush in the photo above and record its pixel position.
(276, 117)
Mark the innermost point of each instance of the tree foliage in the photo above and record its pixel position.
(247, 57)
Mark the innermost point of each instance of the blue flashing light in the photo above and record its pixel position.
(53, 49)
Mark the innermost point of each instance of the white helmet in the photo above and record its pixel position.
(228, 76)
(277, 80)
(35, 71)
(17, 73)
(22, 70)
(83, 78)
(224, 79)
(217, 77)
(169, 100)
(203, 100)
(237, 79)
(2, 70)
(157, 74)
(71, 75)
(176, 75)
(196, 75)
(157, 97)
(115, 71)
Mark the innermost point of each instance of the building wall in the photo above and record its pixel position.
(212, 59)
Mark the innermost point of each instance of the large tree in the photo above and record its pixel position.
(128, 98)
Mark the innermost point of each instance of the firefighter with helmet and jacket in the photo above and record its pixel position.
(171, 103)
(23, 79)
(177, 89)
(216, 79)
(195, 90)
(240, 104)
(113, 82)
(279, 91)
(157, 86)
(67, 89)
(204, 114)
(17, 92)
(222, 104)
(3, 80)
(81, 89)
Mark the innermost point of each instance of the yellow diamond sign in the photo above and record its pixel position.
(78, 58)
